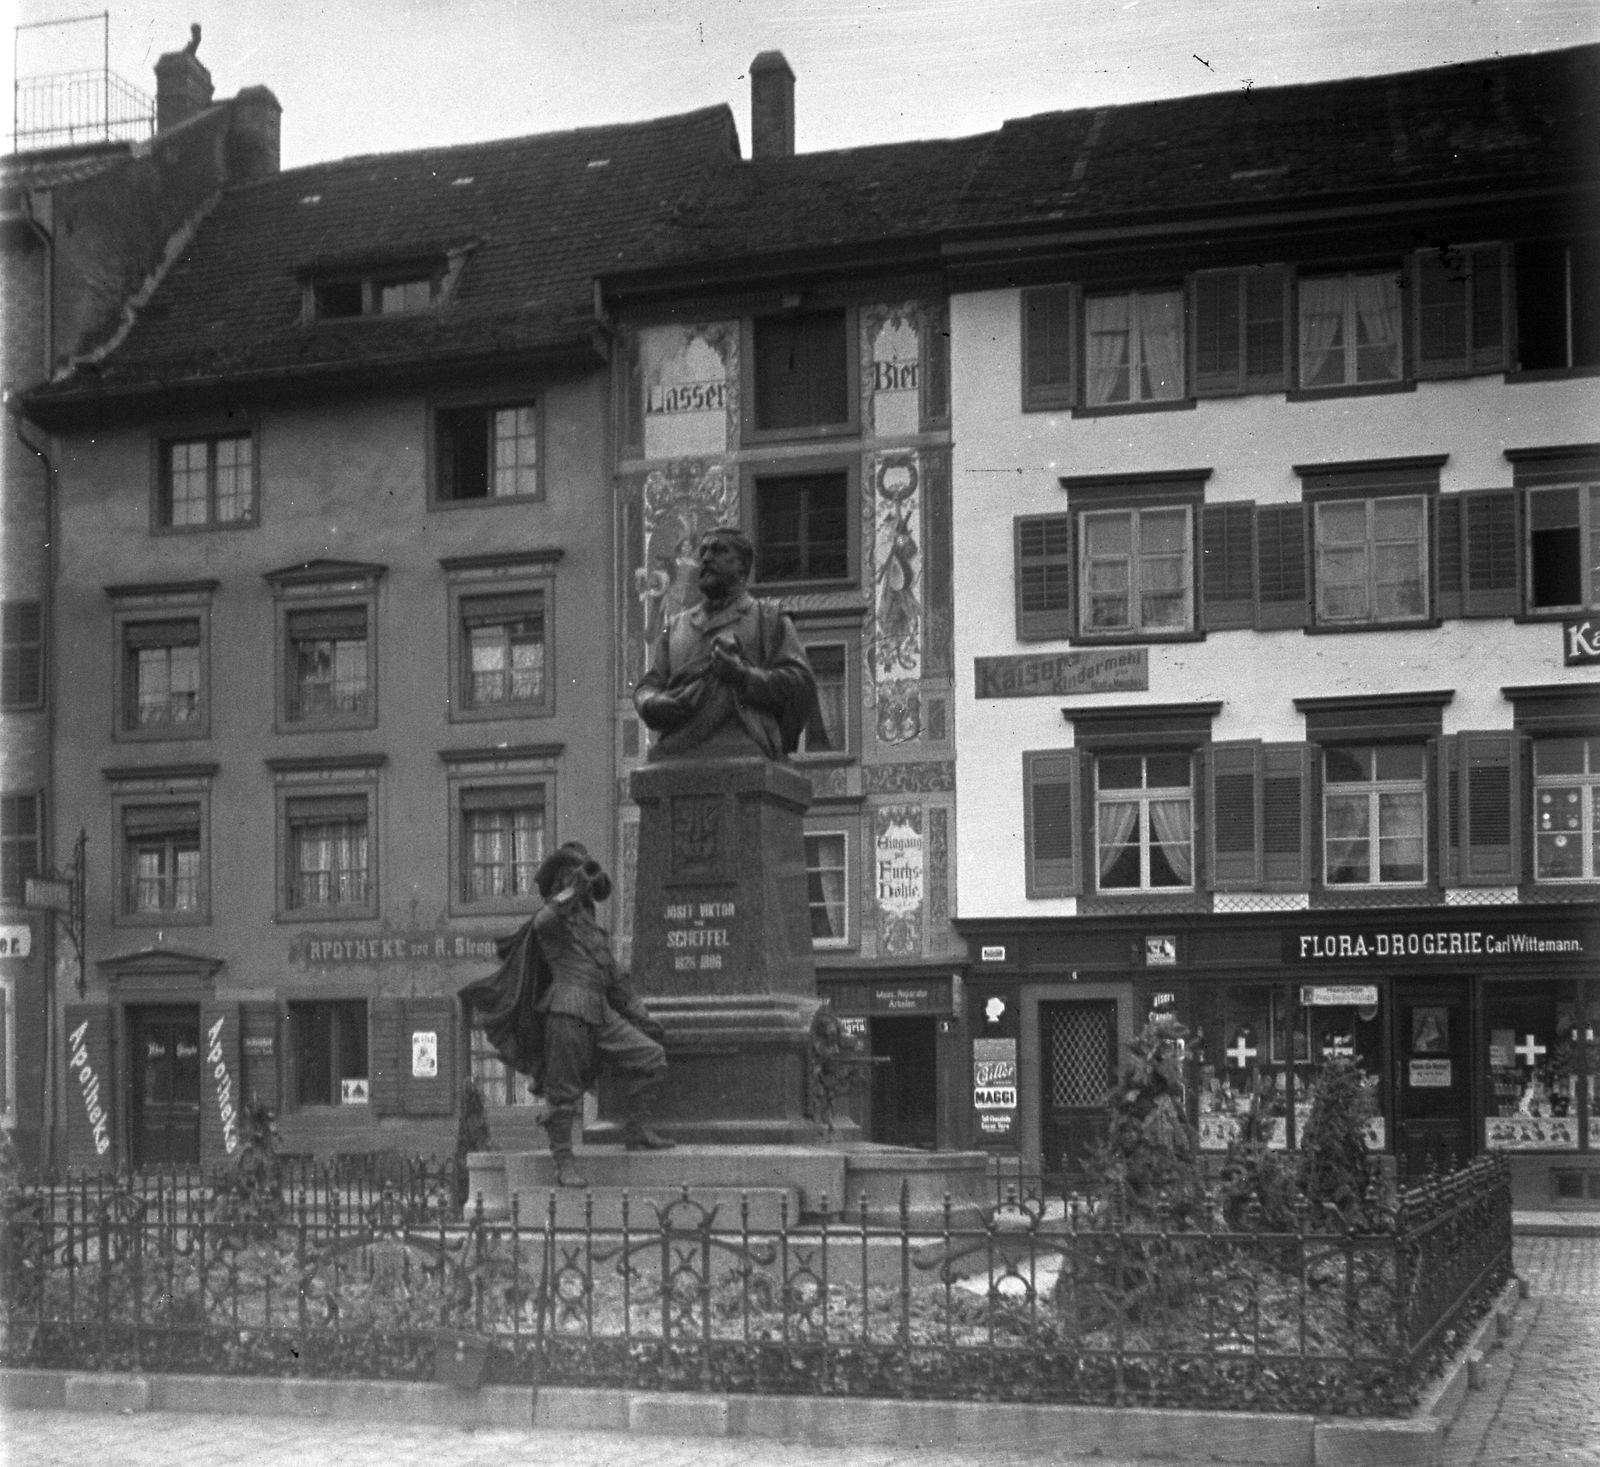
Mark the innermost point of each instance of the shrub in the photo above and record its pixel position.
(1336, 1172)
(250, 1192)
(1258, 1187)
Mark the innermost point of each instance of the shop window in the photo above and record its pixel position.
(207, 482)
(1133, 348)
(502, 842)
(1374, 816)
(1566, 809)
(1371, 560)
(1043, 571)
(826, 885)
(1564, 548)
(802, 530)
(329, 668)
(1137, 572)
(330, 1052)
(161, 676)
(1349, 329)
(487, 452)
(1144, 815)
(20, 835)
(500, 1084)
(1240, 330)
(21, 655)
(1558, 305)
(1536, 1057)
(162, 870)
(802, 371)
(329, 855)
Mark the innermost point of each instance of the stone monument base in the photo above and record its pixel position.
(738, 1072)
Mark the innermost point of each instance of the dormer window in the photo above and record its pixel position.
(347, 289)
(393, 296)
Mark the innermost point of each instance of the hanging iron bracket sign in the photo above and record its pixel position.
(62, 897)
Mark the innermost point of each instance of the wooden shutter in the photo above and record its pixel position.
(422, 1095)
(1490, 797)
(1268, 345)
(1281, 580)
(1459, 310)
(92, 1129)
(1233, 815)
(1286, 816)
(1218, 357)
(935, 366)
(1227, 585)
(1447, 788)
(384, 1059)
(1051, 793)
(1447, 554)
(1489, 552)
(1042, 559)
(221, 1083)
(259, 1037)
(1047, 348)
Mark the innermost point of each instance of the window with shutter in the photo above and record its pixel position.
(330, 1052)
(1047, 348)
(1050, 798)
(1490, 785)
(1286, 816)
(21, 655)
(19, 845)
(1489, 553)
(1233, 810)
(1458, 297)
(1044, 576)
(1447, 554)
(1228, 576)
(1241, 324)
(1281, 578)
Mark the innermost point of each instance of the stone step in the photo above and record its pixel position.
(649, 1206)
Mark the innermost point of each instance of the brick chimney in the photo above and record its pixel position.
(183, 85)
(253, 135)
(771, 107)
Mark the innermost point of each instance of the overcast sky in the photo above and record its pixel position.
(362, 76)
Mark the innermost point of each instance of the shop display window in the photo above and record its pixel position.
(1537, 1055)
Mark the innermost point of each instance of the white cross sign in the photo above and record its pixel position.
(1530, 1049)
(1240, 1053)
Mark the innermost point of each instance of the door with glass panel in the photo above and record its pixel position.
(1433, 1094)
(166, 1085)
(1078, 1066)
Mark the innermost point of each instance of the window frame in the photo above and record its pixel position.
(336, 777)
(295, 1011)
(177, 786)
(1143, 799)
(1242, 382)
(1475, 360)
(1587, 488)
(848, 830)
(751, 432)
(1425, 552)
(1374, 788)
(516, 394)
(1134, 632)
(1403, 380)
(506, 1080)
(753, 474)
(461, 789)
(17, 842)
(512, 768)
(164, 439)
(1183, 398)
(1588, 783)
(1521, 251)
(1053, 395)
(515, 573)
(14, 648)
(322, 586)
(836, 629)
(168, 602)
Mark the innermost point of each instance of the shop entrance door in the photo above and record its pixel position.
(1432, 1088)
(1077, 1068)
(905, 1091)
(166, 1086)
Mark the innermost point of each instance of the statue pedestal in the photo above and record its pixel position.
(722, 947)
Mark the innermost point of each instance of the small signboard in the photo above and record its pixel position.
(1338, 995)
(1060, 674)
(424, 1054)
(992, 954)
(16, 940)
(1580, 642)
(854, 1027)
(50, 893)
(353, 1092)
(994, 1074)
(1160, 952)
(258, 1046)
(1430, 1074)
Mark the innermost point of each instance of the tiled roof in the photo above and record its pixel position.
(539, 216)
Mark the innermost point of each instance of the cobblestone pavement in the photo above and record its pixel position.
(1541, 1407)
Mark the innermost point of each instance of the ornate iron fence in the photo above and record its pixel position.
(1049, 1300)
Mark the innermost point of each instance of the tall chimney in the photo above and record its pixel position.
(771, 107)
(253, 135)
(183, 85)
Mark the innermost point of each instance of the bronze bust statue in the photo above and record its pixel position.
(728, 677)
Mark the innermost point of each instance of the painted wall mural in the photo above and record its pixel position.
(893, 385)
(898, 880)
(689, 376)
(678, 503)
(895, 650)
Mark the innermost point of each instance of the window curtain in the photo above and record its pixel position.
(1161, 346)
(1321, 324)
(1171, 822)
(829, 888)
(1400, 837)
(333, 865)
(1107, 329)
(1377, 302)
(1117, 819)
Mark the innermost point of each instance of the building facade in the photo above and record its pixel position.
(1277, 705)
(334, 669)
